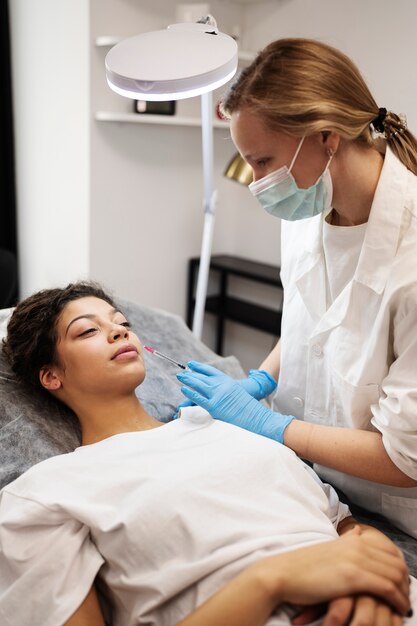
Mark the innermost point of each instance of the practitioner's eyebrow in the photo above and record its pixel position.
(88, 316)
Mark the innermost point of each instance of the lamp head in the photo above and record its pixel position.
(181, 61)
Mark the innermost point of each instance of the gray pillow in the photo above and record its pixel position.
(34, 427)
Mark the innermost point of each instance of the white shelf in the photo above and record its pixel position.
(167, 120)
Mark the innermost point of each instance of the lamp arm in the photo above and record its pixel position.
(207, 144)
(209, 206)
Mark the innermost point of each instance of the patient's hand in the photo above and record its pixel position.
(362, 609)
(352, 610)
(355, 564)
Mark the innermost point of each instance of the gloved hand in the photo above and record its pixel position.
(259, 384)
(225, 399)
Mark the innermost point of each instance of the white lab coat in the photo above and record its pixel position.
(355, 364)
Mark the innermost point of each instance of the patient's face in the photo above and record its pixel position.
(98, 352)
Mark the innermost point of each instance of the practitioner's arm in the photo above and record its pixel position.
(88, 613)
(272, 363)
(333, 569)
(351, 451)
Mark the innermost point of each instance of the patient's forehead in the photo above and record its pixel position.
(88, 306)
(88, 302)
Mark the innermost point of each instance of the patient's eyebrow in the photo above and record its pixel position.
(88, 316)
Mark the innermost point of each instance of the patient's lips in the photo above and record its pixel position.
(125, 352)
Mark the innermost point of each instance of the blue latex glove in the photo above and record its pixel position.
(259, 384)
(226, 400)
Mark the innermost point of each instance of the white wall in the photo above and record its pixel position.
(144, 207)
(147, 182)
(379, 36)
(51, 95)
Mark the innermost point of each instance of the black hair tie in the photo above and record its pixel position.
(378, 122)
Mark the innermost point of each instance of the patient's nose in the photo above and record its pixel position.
(119, 332)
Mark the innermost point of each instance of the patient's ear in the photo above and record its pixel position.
(49, 378)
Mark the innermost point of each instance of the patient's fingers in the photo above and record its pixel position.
(364, 611)
(388, 591)
(339, 611)
(393, 572)
(384, 616)
(374, 612)
(309, 614)
(391, 566)
(359, 611)
(387, 558)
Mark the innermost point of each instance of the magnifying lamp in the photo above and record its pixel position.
(181, 61)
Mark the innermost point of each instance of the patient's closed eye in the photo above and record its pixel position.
(90, 331)
(86, 332)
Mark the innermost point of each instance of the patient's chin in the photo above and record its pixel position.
(132, 379)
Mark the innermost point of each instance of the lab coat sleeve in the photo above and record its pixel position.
(47, 563)
(395, 416)
(337, 510)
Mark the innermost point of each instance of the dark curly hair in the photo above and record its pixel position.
(32, 330)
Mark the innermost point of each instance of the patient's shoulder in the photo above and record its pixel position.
(40, 477)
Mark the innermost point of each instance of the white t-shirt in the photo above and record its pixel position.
(167, 516)
(342, 246)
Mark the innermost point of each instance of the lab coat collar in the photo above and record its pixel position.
(378, 250)
(383, 230)
(313, 269)
(312, 287)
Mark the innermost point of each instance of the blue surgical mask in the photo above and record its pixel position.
(279, 194)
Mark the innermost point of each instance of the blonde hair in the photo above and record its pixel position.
(302, 86)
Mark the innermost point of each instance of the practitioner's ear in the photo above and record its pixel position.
(330, 140)
(49, 378)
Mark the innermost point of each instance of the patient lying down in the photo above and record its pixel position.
(194, 522)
